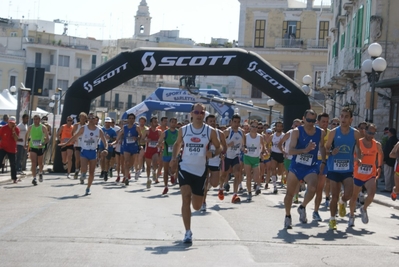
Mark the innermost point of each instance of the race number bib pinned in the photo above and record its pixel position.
(153, 144)
(196, 149)
(130, 140)
(341, 165)
(365, 169)
(170, 149)
(37, 142)
(304, 159)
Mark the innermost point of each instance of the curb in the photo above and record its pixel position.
(386, 204)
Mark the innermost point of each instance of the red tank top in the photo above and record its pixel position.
(153, 137)
(367, 170)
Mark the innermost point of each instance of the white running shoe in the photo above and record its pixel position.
(203, 207)
(351, 221)
(365, 217)
(188, 237)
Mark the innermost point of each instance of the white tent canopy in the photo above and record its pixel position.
(8, 105)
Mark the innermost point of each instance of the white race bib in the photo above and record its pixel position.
(130, 140)
(153, 144)
(196, 149)
(304, 159)
(170, 149)
(365, 169)
(341, 165)
(36, 142)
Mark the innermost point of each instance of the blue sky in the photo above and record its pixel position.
(196, 19)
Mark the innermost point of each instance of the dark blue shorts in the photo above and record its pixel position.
(301, 173)
(360, 183)
(339, 176)
(166, 158)
(230, 163)
(132, 149)
(88, 154)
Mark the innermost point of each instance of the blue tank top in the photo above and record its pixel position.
(343, 161)
(307, 159)
(130, 135)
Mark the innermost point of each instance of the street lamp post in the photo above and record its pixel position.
(373, 68)
(249, 111)
(271, 102)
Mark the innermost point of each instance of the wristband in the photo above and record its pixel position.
(323, 162)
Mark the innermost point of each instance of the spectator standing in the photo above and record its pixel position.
(22, 153)
(8, 144)
(385, 137)
(389, 163)
(4, 121)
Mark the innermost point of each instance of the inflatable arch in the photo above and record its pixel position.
(216, 62)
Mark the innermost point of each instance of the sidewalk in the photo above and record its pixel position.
(381, 198)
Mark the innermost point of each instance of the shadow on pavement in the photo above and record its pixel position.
(280, 205)
(178, 246)
(362, 231)
(394, 216)
(218, 208)
(69, 197)
(289, 237)
(50, 179)
(138, 190)
(331, 235)
(395, 237)
(15, 187)
(63, 185)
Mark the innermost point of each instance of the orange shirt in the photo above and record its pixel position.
(368, 169)
(66, 133)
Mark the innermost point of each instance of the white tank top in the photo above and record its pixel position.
(253, 145)
(195, 143)
(117, 145)
(236, 137)
(287, 145)
(275, 141)
(90, 138)
(78, 142)
(215, 161)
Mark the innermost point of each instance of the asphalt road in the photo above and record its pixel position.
(54, 224)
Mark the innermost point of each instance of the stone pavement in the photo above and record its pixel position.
(381, 198)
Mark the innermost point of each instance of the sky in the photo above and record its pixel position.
(199, 20)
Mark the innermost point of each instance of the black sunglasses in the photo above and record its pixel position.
(310, 120)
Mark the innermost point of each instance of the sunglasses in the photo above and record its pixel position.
(269, 133)
(334, 123)
(310, 120)
(90, 118)
(196, 112)
(370, 133)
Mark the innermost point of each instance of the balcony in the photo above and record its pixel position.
(34, 65)
(14, 53)
(317, 44)
(288, 43)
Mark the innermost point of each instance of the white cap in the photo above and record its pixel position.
(108, 119)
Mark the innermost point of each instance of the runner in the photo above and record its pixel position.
(167, 140)
(213, 165)
(110, 136)
(38, 136)
(234, 142)
(277, 155)
(46, 152)
(253, 148)
(305, 143)
(323, 183)
(341, 142)
(142, 128)
(130, 136)
(152, 151)
(266, 160)
(91, 134)
(64, 134)
(395, 154)
(78, 143)
(120, 164)
(192, 168)
(366, 173)
(162, 127)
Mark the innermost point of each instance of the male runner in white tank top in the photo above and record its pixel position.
(195, 138)
(78, 145)
(277, 155)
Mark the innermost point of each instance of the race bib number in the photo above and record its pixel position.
(341, 165)
(365, 169)
(196, 149)
(37, 142)
(170, 149)
(153, 144)
(65, 140)
(130, 140)
(90, 143)
(304, 159)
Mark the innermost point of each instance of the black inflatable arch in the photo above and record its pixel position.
(216, 62)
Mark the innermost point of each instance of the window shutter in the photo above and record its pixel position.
(367, 26)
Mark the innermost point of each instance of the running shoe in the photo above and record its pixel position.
(154, 175)
(295, 199)
(75, 176)
(341, 209)
(235, 199)
(118, 179)
(68, 176)
(220, 194)
(333, 224)
(110, 173)
(240, 189)
(288, 222)
(227, 187)
(148, 183)
(275, 190)
(257, 192)
(393, 195)
(105, 176)
(254, 187)
(172, 180)
(316, 216)
(266, 186)
(249, 197)
(15, 181)
(40, 177)
(188, 237)
(203, 207)
(302, 214)
(365, 217)
(361, 198)
(82, 179)
(102, 174)
(351, 221)
(34, 182)
(156, 181)
(88, 191)
(65, 166)
(165, 190)
(136, 176)
(126, 181)
(327, 203)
